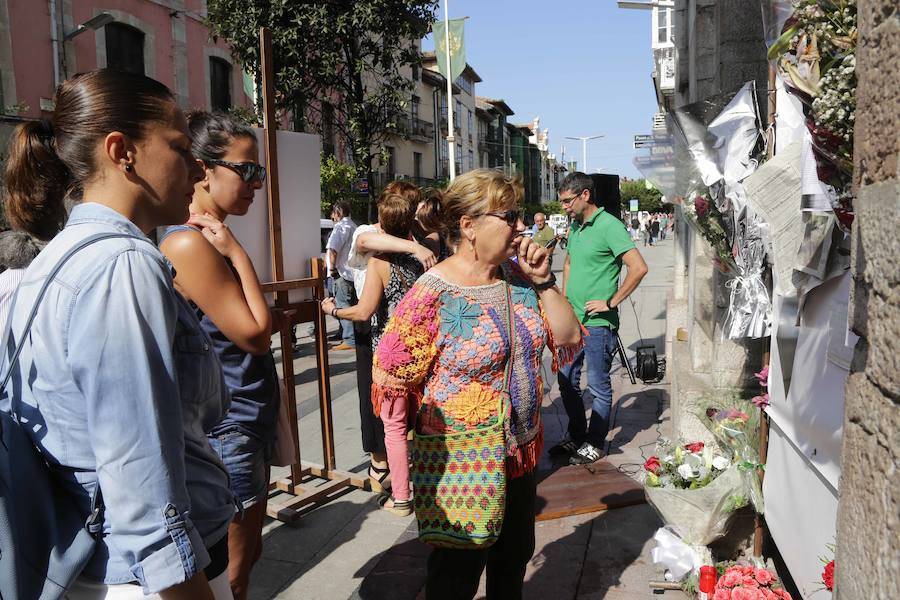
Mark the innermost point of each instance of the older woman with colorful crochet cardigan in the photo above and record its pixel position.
(444, 354)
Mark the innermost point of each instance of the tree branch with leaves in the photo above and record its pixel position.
(350, 55)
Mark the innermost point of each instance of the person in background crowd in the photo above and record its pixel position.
(116, 367)
(635, 227)
(338, 250)
(388, 277)
(447, 347)
(663, 225)
(17, 250)
(214, 273)
(598, 247)
(542, 233)
(654, 229)
(427, 230)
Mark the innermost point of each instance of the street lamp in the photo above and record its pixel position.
(95, 22)
(650, 4)
(584, 139)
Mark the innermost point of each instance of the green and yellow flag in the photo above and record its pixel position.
(457, 47)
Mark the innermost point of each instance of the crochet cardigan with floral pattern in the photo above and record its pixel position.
(445, 351)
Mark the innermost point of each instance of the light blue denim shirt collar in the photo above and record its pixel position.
(92, 212)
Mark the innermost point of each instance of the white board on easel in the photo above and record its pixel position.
(298, 181)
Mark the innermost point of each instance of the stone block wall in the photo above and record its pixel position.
(868, 538)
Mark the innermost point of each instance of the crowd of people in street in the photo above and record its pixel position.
(649, 227)
(142, 373)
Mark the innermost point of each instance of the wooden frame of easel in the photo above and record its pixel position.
(289, 314)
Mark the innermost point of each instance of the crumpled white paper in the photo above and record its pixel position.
(678, 558)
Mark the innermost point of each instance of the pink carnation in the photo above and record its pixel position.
(749, 581)
(764, 577)
(763, 377)
(761, 401)
(744, 594)
(731, 578)
(722, 594)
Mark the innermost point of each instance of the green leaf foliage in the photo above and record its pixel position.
(337, 180)
(343, 58)
(649, 200)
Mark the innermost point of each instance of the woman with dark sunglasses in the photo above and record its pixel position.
(215, 274)
(471, 332)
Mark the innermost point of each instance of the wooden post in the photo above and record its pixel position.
(318, 272)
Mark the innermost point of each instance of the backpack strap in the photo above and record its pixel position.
(94, 522)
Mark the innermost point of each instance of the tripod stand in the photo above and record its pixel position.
(624, 359)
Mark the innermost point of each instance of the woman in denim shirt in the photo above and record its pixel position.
(116, 376)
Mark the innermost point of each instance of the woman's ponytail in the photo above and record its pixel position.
(35, 181)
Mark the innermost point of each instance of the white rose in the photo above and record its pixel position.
(720, 463)
(686, 471)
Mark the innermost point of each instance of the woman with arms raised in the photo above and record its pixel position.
(463, 325)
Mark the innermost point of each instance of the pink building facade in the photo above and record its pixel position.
(164, 39)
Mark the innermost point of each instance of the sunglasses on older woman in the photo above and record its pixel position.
(511, 216)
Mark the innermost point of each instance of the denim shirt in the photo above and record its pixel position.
(119, 385)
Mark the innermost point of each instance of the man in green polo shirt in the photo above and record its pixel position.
(599, 245)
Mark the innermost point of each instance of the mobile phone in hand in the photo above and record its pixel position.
(552, 244)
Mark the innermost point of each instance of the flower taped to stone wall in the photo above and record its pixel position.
(816, 57)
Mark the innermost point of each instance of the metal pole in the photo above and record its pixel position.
(584, 155)
(451, 140)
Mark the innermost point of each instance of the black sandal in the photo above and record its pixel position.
(381, 483)
(402, 508)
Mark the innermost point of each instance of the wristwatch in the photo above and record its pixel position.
(540, 287)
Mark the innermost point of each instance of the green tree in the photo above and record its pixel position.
(648, 199)
(348, 55)
(336, 180)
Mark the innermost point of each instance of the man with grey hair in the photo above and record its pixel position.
(598, 246)
(17, 250)
(541, 232)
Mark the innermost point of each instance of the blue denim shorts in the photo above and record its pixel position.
(245, 457)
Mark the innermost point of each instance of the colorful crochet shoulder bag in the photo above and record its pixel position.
(459, 479)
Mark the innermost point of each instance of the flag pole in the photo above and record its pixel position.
(451, 140)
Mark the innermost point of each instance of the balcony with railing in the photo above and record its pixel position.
(416, 129)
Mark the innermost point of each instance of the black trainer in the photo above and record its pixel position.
(567, 447)
(586, 454)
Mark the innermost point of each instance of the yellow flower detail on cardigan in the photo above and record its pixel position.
(474, 405)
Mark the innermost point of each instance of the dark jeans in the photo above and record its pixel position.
(454, 574)
(371, 426)
(599, 347)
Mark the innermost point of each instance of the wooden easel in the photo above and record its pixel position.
(289, 314)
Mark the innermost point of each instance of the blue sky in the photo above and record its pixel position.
(583, 66)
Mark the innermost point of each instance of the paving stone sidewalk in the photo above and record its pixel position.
(350, 548)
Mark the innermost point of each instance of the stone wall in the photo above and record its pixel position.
(868, 539)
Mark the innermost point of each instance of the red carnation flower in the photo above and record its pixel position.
(828, 576)
(696, 447)
(652, 465)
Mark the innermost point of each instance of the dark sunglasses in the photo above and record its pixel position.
(249, 171)
(511, 216)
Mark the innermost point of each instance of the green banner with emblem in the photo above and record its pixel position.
(457, 47)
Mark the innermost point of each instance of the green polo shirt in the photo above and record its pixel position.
(543, 236)
(595, 261)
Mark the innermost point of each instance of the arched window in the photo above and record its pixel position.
(124, 48)
(219, 83)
